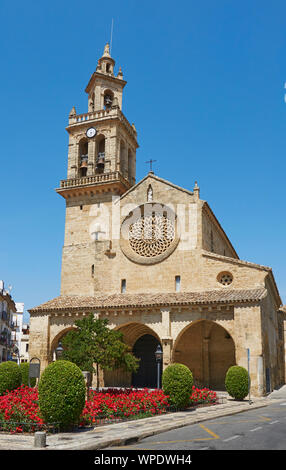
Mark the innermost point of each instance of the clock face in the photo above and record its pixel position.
(91, 132)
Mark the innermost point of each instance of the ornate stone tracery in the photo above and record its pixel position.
(151, 235)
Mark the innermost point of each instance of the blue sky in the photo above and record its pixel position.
(205, 91)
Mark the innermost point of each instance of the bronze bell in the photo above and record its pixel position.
(100, 160)
(83, 161)
(108, 100)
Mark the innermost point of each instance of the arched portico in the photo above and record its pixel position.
(208, 350)
(56, 341)
(143, 342)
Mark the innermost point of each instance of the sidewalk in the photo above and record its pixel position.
(125, 433)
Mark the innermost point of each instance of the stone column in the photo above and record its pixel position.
(72, 158)
(206, 361)
(167, 344)
(206, 334)
(167, 340)
(39, 339)
(248, 334)
(91, 157)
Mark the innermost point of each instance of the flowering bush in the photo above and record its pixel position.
(203, 396)
(19, 410)
(126, 403)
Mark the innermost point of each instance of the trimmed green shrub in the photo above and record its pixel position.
(236, 382)
(177, 382)
(24, 368)
(62, 394)
(10, 376)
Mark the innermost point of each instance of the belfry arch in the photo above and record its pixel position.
(142, 341)
(208, 350)
(56, 340)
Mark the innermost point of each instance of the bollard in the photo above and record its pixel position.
(40, 439)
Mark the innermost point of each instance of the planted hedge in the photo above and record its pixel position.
(236, 382)
(10, 376)
(24, 367)
(177, 383)
(62, 394)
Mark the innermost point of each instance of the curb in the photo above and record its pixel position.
(132, 436)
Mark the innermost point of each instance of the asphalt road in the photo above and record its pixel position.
(260, 429)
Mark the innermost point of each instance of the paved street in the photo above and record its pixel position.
(260, 429)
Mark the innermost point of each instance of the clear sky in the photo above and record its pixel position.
(205, 91)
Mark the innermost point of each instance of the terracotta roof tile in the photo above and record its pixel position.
(147, 300)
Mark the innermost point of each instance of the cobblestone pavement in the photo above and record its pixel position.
(128, 432)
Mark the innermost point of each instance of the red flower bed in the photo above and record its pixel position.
(203, 396)
(122, 404)
(19, 409)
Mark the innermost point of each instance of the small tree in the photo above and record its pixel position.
(92, 342)
(62, 394)
(236, 382)
(177, 382)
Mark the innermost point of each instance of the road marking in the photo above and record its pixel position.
(252, 420)
(273, 422)
(255, 429)
(215, 436)
(282, 404)
(265, 418)
(230, 438)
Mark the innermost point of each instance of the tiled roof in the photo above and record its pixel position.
(225, 296)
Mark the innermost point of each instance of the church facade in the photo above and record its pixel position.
(153, 259)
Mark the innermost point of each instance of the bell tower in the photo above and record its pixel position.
(102, 143)
(101, 165)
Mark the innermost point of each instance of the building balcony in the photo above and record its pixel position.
(92, 180)
(101, 115)
(4, 316)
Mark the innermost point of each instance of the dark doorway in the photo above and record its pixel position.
(144, 349)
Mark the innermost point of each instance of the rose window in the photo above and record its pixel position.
(151, 235)
(225, 279)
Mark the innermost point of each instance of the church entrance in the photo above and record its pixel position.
(208, 350)
(144, 349)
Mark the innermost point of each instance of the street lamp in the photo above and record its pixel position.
(158, 356)
(59, 351)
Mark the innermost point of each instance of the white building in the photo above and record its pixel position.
(7, 310)
(24, 349)
(17, 325)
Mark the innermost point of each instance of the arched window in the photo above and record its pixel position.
(100, 160)
(83, 157)
(108, 99)
(123, 157)
(130, 165)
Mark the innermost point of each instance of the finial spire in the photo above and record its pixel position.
(196, 190)
(106, 50)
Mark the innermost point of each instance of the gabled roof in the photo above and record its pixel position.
(251, 265)
(113, 301)
(156, 178)
(209, 211)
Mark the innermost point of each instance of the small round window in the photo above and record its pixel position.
(225, 278)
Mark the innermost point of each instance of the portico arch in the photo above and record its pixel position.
(57, 339)
(142, 340)
(208, 350)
